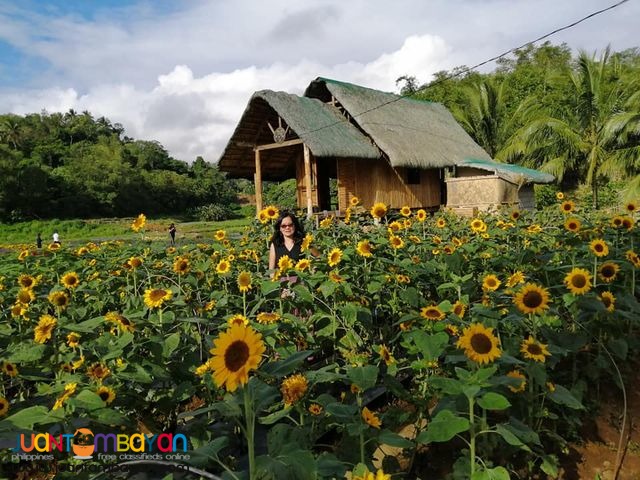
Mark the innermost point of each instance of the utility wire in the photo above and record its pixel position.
(469, 69)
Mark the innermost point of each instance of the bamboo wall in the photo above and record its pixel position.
(377, 181)
(484, 192)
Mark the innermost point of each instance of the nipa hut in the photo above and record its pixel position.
(380, 147)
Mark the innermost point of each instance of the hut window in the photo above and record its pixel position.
(413, 176)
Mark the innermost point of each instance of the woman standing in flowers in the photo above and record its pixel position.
(286, 239)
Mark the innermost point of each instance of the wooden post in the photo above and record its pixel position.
(307, 177)
(257, 180)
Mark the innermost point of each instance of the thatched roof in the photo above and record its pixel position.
(513, 173)
(321, 127)
(413, 133)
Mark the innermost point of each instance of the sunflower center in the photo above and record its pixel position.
(236, 355)
(104, 396)
(598, 247)
(481, 343)
(608, 271)
(157, 294)
(532, 299)
(534, 349)
(606, 301)
(579, 280)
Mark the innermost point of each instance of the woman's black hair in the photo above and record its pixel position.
(277, 238)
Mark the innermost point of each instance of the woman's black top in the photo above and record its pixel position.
(293, 254)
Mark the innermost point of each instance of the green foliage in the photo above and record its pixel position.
(281, 194)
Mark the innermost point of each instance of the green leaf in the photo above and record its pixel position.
(108, 416)
(200, 457)
(303, 293)
(28, 417)
(284, 367)
(170, 344)
(510, 438)
(563, 396)
(27, 352)
(498, 473)
(88, 400)
(330, 467)
(275, 416)
(342, 411)
(364, 377)
(549, 465)
(88, 326)
(443, 427)
(387, 437)
(450, 386)
(493, 401)
(431, 346)
(117, 349)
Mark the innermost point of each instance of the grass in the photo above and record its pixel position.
(81, 231)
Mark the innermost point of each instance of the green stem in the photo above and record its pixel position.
(361, 436)
(472, 438)
(251, 424)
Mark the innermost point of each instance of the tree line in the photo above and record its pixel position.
(576, 117)
(72, 165)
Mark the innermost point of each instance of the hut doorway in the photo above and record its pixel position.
(327, 180)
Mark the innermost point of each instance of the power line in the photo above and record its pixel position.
(469, 69)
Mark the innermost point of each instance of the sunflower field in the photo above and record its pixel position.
(402, 343)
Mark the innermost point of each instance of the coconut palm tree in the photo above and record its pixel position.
(595, 138)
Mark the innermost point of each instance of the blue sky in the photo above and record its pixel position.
(181, 72)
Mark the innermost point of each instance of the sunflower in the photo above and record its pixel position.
(515, 278)
(396, 242)
(478, 226)
(315, 409)
(27, 281)
(69, 389)
(236, 352)
(98, 372)
(244, 281)
(608, 271)
(263, 217)
(44, 329)
(220, 235)
(326, 223)
(10, 369)
(616, 221)
(171, 250)
(522, 381)
(608, 300)
(293, 388)
(285, 263)
(405, 211)
(59, 299)
(479, 343)
(364, 248)
(578, 281)
(106, 394)
(272, 212)
(135, 262)
(371, 418)
(432, 312)
(19, 310)
(490, 283)
(631, 207)
(223, 267)
(378, 210)
(627, 222)
(73, 339)
(354, 201)
(599, 248)
(25, 296)
(572, 224)
(334, 257)
(421, 215)
(567, 206)
(155, 297)
(268, 317)
(560, 195)
(181, 265)
(394, 226)
(459, 309)
(238, 319)
(303, 264)
(70, 280)
(304, 246)
(385, 354)
(532, 298)
(534, 228)
(4, 406)
(367, 475)
(515, 215)
(139, 223)
(534, 350)
(123, 322)
(335, 277)
(52, 247)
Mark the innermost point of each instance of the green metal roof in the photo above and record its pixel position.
(513, 173)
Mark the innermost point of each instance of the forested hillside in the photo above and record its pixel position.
(71, 165)
(576, 117)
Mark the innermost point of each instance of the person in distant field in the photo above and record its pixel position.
(38, 240)
(286, 240)
(56, 237)
(172, 233)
